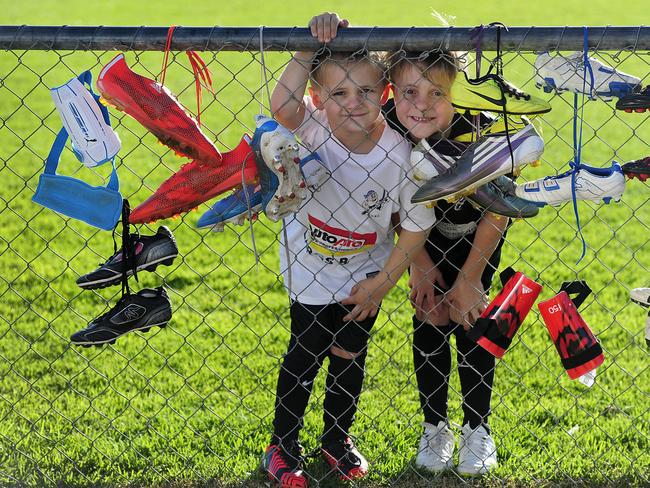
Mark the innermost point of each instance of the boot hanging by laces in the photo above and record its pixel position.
(202, 75)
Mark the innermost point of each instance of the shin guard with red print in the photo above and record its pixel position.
(499, 323)
(579, 349)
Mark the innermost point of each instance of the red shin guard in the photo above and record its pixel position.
(499, 323)
(579, 349)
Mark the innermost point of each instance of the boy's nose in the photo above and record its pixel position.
(354, 101)
(422, 103)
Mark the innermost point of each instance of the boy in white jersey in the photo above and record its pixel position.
(342, 258)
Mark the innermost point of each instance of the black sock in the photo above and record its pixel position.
(295, 382)
(432, 361)
(476, 372)
(343, 387)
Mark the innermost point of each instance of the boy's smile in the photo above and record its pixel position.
(421, 106)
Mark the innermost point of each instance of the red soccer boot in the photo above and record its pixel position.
(154, 106)
(196, 183)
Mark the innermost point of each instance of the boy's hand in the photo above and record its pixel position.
(366, 297)
(326, 25)
(423, 284)
(467, 301)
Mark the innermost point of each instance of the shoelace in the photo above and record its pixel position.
(577, 135)
(199, 68)
(506, 89)
(128, 248)
(122, 299)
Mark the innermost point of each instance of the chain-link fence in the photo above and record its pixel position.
(193, 403)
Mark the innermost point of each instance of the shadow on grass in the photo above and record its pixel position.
(321, 477)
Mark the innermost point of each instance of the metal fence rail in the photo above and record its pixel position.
(193, 403)
(101, 38)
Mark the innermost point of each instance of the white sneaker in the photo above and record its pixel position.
(477, 453)
(436, 448)
(591, 183)
(641, 296)
(559, 73)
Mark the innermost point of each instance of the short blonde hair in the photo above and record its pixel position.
(324, 57)
(438, 66)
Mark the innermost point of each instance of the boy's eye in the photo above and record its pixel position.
(338, 93)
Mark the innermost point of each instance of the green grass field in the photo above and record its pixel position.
(192, 404)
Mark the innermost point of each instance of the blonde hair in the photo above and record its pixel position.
(324, 57)
(438, 66)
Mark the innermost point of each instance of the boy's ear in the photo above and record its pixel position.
(315, 94)
(386, 94)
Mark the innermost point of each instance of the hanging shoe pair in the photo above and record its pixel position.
(133, 312)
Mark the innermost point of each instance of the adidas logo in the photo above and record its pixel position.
(525, 290)
(491, 147)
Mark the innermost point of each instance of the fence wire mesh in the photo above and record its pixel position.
(193, 403)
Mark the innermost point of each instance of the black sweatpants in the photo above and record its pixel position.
(314, 330)
(432, 349)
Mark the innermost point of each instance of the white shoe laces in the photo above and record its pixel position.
(437, 436)
(478, 442)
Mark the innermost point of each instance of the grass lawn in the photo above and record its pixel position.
(192, 404)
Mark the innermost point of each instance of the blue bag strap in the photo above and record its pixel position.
(113, 182)
(86, 78)
(52, 161)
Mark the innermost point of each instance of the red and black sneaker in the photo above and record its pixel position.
(344, 457)
(284, 465)
(196, 183)
(637, 169)
(157, 109)
(635, 102)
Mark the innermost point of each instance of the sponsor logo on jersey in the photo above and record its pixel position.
(332, 241)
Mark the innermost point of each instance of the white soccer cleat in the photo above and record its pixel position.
(641, 296)
(93, 140)
(595, 184)
(560, 73)
(278, 165)
(436, 449)
(477, 452)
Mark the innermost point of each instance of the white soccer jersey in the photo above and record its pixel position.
(342, 233)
